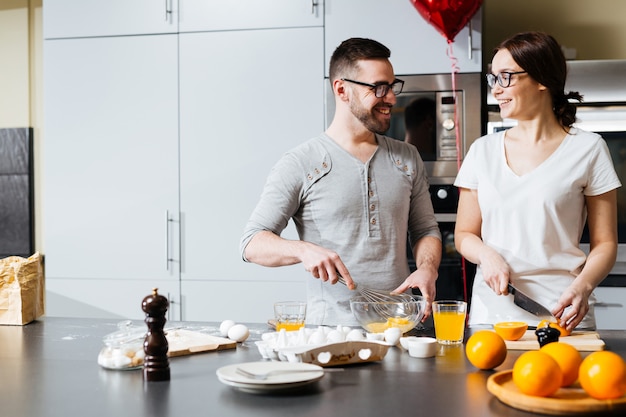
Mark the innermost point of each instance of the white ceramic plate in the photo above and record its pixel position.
(277, 381)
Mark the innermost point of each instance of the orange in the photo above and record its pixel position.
(536, 373)
(485, 349)
(546, 323)
(603, 375)
(511, 330)
(567, 357)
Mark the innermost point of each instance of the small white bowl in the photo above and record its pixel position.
(404, 341)
(422, 347)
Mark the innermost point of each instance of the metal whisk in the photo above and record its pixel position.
(382, 300)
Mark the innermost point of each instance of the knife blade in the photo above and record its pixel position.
(525, 302)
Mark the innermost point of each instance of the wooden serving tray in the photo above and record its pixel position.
(582, 341)
(565, 402)
(186, 342)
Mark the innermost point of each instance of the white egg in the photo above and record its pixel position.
(355, 334)
(238, 333)
(335, 336)
(392, 335)
(225, 327)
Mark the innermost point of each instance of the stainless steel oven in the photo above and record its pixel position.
(603, 86)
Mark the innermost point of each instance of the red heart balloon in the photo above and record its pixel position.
(447, 16)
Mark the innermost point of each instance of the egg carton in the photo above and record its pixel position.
(326, 347)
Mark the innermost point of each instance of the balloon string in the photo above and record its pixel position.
(455, 69)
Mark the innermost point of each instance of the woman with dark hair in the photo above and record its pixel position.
(526, 193)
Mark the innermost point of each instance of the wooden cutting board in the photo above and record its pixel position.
(186, 342)
(568, 401)
(582, 341)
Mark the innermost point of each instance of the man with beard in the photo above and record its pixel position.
(354, 196)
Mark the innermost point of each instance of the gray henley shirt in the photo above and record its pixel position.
(362, 211)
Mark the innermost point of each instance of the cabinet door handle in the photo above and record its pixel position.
(314, 4)
(171, 301)
(168, 10)
(608, 305)
(168, 258)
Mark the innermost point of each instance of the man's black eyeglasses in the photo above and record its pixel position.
(381, 89)
(504, 78)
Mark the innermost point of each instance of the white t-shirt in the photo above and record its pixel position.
(535, 220)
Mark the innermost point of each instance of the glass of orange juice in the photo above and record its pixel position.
(289, 315)
(449, 318)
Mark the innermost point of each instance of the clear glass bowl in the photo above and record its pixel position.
(123, 349)
(376, 317)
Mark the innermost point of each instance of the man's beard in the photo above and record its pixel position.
(368, 118)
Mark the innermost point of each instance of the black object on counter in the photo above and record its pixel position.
(547, 335)
(156, 365)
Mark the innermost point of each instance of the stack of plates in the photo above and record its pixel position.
(282, 376)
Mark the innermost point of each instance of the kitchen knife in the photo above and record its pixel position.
(524, 301)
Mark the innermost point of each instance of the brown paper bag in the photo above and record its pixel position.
(22, 289)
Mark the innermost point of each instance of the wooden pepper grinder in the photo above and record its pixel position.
(156, 365)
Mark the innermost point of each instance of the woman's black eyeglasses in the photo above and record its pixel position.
(504, 78)
(381, 89)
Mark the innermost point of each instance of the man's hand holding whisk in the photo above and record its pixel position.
(326, 265)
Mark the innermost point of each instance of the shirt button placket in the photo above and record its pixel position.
(373, 207)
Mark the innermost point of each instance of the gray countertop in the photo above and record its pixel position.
(49, 368)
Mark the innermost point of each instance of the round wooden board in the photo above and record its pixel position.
(567, 401)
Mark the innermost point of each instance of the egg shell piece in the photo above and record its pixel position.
(121, 361)
(379, 337)
(238, 332)
(225, 327)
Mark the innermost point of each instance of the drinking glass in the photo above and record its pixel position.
(289, 315)
(449, 319)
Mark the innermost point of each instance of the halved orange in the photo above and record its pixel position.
(546, 323)
(511, 330)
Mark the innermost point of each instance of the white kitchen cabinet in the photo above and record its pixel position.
(611, 308)
(214, 15)
(246, 97)
(86, 18)
(416, 46)
(98, 298)
(111, 162)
